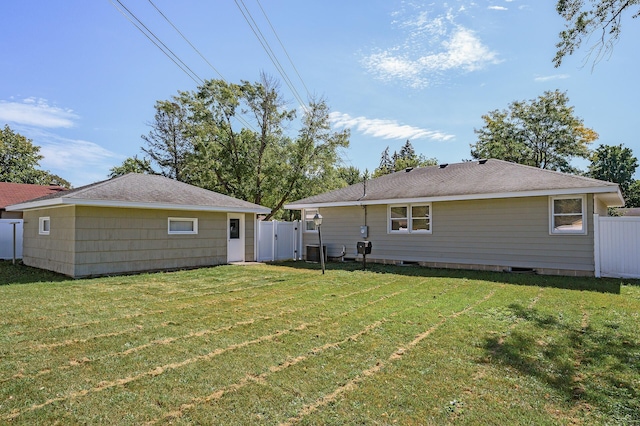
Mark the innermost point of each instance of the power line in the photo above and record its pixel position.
(191, 73)
(267, 48)
(283, 48)
(185, 39)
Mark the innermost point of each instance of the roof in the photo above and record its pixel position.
(143, 191)
(12, 193)
(482, 179)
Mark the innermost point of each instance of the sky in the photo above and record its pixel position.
(80, 80)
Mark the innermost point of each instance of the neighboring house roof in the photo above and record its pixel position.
(144, 191)
(13, 193)
(631, 211)
(463, 181)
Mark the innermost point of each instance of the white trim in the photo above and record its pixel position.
(41, 225)
(193, 220)
(463, 197)
(58, 202)
(583, 231)
(409, 218)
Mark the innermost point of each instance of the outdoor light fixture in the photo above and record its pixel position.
(317, 220)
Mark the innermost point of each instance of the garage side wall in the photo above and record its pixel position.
(115, 240)
(55, 251)
(494, 234)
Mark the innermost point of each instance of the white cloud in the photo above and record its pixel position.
(36, 112)
(432, 46)
(386, 129)
(541, 79)
(497, 8)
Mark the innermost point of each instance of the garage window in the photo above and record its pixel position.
(183, 225)
(44, 225)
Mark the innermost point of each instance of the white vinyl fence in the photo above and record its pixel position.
(617, 246)
(279, 240)
(6, 238)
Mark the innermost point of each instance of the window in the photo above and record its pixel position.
(410, 218)
(568, 215)
(309, 226)
(44, 225)
(183, 225)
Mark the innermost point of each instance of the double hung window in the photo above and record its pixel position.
(568, 215)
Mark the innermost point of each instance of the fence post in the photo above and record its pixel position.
(596, 244)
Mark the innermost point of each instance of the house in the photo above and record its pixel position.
(487, 215)
(135, 223)
(13, 193)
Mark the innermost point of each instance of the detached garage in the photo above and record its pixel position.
(136, 223)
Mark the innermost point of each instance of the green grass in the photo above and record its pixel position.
(284, 344)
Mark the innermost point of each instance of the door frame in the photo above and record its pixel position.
(233, 252)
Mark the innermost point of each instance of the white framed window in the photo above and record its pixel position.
(308, 215)
(568, 214)
(409, 218)
(44, 225)
(182, 225)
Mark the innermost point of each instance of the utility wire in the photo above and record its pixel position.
(192, 74)
(265, 45)
(283, 48)
(185, 39)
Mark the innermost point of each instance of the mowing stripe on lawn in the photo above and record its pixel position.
(397, 354)
(249, 378)
(173, 366)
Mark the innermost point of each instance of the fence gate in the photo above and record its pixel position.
(6, 238)
(279, 240)
(617, 246)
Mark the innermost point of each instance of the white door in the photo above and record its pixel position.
(235, 237)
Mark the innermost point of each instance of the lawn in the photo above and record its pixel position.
(284, 344)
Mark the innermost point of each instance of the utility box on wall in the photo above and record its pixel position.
(364, 247)
(364, 231)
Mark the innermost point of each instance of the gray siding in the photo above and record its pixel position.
(497, 233)
(250, 237)
(115, 240)
(56, 251)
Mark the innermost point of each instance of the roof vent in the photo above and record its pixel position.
(442, 166)
(408, 169)
(484, 160)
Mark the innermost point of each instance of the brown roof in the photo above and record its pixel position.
(144, 191)
(13, 193)
(469, 180)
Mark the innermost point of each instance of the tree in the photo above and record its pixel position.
(231, 138)
(350, 175)
(407, 157)
(132, 165)
(542, 132)
(584, 19)
(19, 159)
(168, 144)
(633, 195)
(614, 164)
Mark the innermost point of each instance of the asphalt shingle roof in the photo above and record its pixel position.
(12, 193)
(138, 189)
(461, 180)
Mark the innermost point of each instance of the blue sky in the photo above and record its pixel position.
(81, 81)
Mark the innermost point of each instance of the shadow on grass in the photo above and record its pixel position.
(22, 274)
(597, 365)
(602, 285)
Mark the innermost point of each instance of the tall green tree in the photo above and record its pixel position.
(168, 144)
(633, 195)
(132, 165)
(407, 157)
(542, 132)
(614, 164)
(600, 20)
(19, 161)
(235, 139)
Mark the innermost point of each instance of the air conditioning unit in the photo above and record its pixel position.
(313, 253)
